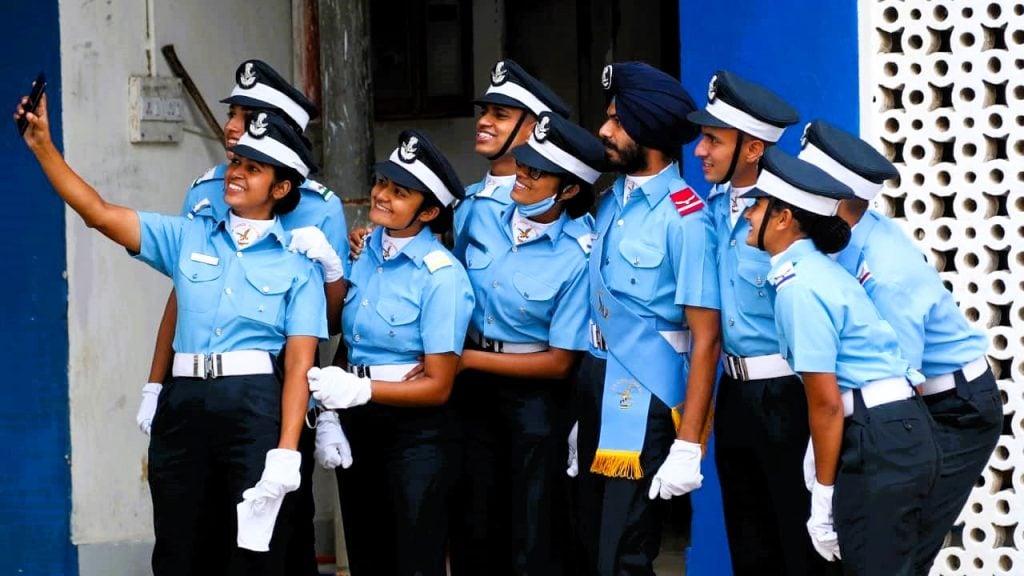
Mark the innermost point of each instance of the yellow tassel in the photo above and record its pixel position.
(617, 464)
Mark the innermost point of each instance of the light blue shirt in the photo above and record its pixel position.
(748, 319)
(827, 323)
(231, 299)
(531, 292)
(490, 190)
(318, 206)
(933, 334)
(417, 302)
(655, 260)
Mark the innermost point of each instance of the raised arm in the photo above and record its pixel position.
(118, 223)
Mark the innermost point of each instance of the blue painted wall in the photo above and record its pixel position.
(35, 479)
(806, 52)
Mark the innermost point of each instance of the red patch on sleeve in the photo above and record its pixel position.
(686, 201)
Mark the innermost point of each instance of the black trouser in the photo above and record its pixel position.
(761, 434)
(302, 543)
(509, 515)
(394, 497)
(968, 421)
(209, 444)
(887, 465)
(619, 526)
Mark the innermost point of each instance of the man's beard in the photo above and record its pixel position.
(631, 159)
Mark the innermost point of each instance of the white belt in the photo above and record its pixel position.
(382, 372)
(878, 392)
(945, 382)
(236, 363)
(756, 367)
(492, 345)
(679, 340)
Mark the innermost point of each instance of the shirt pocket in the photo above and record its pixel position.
(535, 299)
(643, 268)
(753, 288)
(199, 290)
(399, 330)
(264, 300)
(476, 258)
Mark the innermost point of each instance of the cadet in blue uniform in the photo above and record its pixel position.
(409, 299)
(761, 411)
(527, 263)
(875, 468)
(655, 332)
(226, 449)
(960, 390)
(509, 109)
(259, 87)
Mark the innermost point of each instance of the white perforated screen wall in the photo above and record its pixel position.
(947, 80)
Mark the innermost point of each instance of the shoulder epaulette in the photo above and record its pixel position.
(785, 274)
(436, 260)
(324, 192)
(686, 201)
(198, 207)
(210, 174)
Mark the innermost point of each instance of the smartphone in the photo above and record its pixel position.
(38, 87)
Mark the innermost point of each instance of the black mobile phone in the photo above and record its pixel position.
(38, 87)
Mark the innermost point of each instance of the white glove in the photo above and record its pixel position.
(337, 389)
(810, 474)
(819, 525)
(332, 447)
(257, 512)
(147, 408)
(310, 240)
(680, 473)
(574, 461)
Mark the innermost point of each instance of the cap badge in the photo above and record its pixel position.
(499, 73)
(606, 77)
(540, 131)
(803, 137)
(258, 126)
(248, 76)
(713, 88)
(407, 151)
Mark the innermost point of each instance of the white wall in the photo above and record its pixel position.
(114, 303)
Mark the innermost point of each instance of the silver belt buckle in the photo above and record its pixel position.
(214, 366)
(737, 366)
(491, 344)
(197, 361)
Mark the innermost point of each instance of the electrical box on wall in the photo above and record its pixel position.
(156, 109)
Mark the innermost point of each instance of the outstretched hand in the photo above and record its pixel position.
(37, 135)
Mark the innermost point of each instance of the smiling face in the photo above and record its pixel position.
(715, 150)
(234, 128)
(395, 207)
(494, 126)
(250, 190)
(533, 185)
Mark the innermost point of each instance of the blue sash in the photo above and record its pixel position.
(640, 363)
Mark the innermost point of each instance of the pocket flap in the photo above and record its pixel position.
(397, 312)
(531, 288)
(640, 255)
(268, 282)
(476, 258)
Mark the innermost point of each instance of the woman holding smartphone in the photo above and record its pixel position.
(226, 448)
